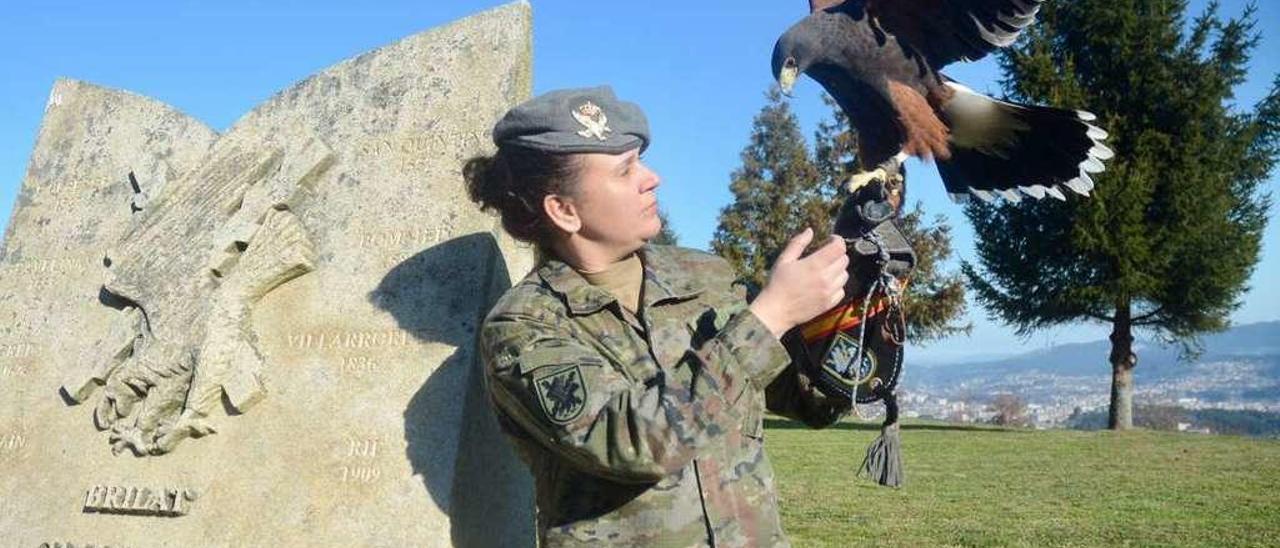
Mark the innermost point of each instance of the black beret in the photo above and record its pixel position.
(575, 120)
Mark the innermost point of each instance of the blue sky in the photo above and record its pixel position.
(699, 69)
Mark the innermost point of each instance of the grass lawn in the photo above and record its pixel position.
(978, 486)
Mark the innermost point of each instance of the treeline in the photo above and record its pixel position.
(1165, 417)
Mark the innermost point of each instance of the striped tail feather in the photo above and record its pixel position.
(1002, 149)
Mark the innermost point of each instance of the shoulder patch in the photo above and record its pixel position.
(562, 394)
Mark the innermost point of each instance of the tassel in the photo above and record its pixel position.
(883, 463)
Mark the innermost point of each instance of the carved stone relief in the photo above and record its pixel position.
(300, 292)
(185, 278)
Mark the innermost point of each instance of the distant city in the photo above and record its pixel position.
(1238, 370)
(1052, 399)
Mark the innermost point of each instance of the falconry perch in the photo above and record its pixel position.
(880, 60)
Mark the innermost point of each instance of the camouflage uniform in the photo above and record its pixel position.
(648, 428)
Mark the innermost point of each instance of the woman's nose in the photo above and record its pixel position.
(651, 181)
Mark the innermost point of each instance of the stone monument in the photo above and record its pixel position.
(265, 337)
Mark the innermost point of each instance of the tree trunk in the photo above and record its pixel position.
(1123, 361)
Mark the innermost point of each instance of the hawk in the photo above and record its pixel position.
(880, 61)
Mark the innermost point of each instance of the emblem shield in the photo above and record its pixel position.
(845, 371)
(562, 394)
(593, 119)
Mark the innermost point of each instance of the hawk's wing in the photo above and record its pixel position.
(946, 31)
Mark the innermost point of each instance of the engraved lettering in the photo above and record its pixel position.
(179, 507)
(171, 497)
(15, 358)
(360, 474)
(408, 152)
(357, 365)
(363, 450)
(43, 267)
(14, 369)
(396, 246)
(145, 501)
(367, 448)
(157, 503)
(325, 340)
(140, 499)
(11, 442)
(417, 237)
(17, 350)
(418, 151)
(96, 497)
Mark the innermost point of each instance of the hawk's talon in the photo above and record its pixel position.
(859, 180)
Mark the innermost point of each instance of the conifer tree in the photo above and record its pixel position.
(776, 194)
(667, 235)
(1172, 230)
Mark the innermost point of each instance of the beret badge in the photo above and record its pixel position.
(593, 119)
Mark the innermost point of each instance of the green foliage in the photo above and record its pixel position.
(780, 189)
(776, 194)
(667, 235)
(969, 485)
(1172, 230)
(1243, 422)
(1239, 422)
(934, 301)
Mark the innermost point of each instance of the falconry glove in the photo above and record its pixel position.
(855, 349)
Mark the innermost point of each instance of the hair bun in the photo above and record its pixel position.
(514, 181)
(483, 184)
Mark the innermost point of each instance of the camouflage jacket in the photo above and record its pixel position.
(645, 428)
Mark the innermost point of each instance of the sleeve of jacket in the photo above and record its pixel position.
(793, 395)
(787, 388)
(563, 393)
(789, 391)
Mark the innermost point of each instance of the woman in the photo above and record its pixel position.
(633, 378)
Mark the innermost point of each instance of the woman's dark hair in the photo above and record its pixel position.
(514, 181)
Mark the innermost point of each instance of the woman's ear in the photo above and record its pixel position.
(562, 212)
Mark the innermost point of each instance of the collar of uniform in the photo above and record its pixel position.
(579, 295)
(664, 279)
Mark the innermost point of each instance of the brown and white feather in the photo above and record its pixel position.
(924, 134)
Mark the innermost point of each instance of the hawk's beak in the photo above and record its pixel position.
(787, 77)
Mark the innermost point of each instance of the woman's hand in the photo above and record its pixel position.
(799, 289)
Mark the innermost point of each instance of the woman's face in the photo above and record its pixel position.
(616, 199)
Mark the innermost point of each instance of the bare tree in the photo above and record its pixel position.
(1010, 410)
